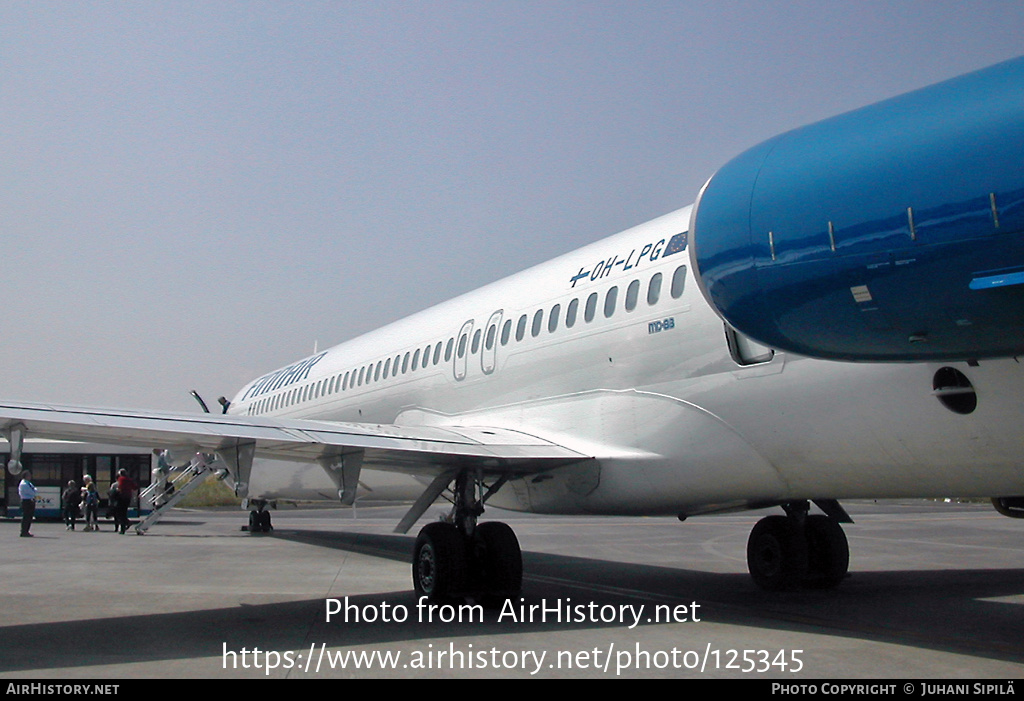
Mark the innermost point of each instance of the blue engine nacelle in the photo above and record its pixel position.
(891, 233)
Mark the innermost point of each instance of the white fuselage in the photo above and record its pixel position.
(612, 351)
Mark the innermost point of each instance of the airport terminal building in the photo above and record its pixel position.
(54, 463)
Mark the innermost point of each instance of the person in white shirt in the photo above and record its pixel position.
(27, 491)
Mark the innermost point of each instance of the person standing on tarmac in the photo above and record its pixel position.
(71, 499)
(91, 501)
(125, 488)
(27, 492)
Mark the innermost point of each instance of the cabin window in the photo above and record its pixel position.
(654, 289)
(506, 332)
(491, 333)
(426, 356)
(556, 312)
(570, 313)
(437, 353)
(415, 360)
(591, 308)
(632, 294)
(476, 341)
(405, 363)
(678, 282)
(448, 349)
(521, 328)
(376, 372)
(609, 301)
(387, 368)
(538, 320)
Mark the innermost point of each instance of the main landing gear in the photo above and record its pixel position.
(798, 549)
(259, 518)
(458, 557)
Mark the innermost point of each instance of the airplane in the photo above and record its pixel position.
(837, 317)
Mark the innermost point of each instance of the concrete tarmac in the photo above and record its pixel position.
(936, 591)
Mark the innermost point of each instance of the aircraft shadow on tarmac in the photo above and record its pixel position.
(955, 611)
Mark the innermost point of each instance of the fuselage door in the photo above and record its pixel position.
(489, 353)
(461, 354)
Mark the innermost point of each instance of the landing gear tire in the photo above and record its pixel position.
(439, 562)
(259, 522)
(777, 554)
(828, 552)
(498, 561)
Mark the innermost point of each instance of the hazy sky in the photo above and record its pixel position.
(194, 193)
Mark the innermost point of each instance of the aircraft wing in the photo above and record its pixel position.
(426, 450)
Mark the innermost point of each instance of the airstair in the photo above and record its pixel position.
(164, 493)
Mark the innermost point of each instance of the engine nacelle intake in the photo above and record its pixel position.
(891, 233)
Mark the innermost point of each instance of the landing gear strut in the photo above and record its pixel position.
(798, 549)
(458, 557)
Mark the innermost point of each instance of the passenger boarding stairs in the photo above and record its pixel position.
(164, 493)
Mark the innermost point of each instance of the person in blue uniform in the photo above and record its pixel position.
(27, 492)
